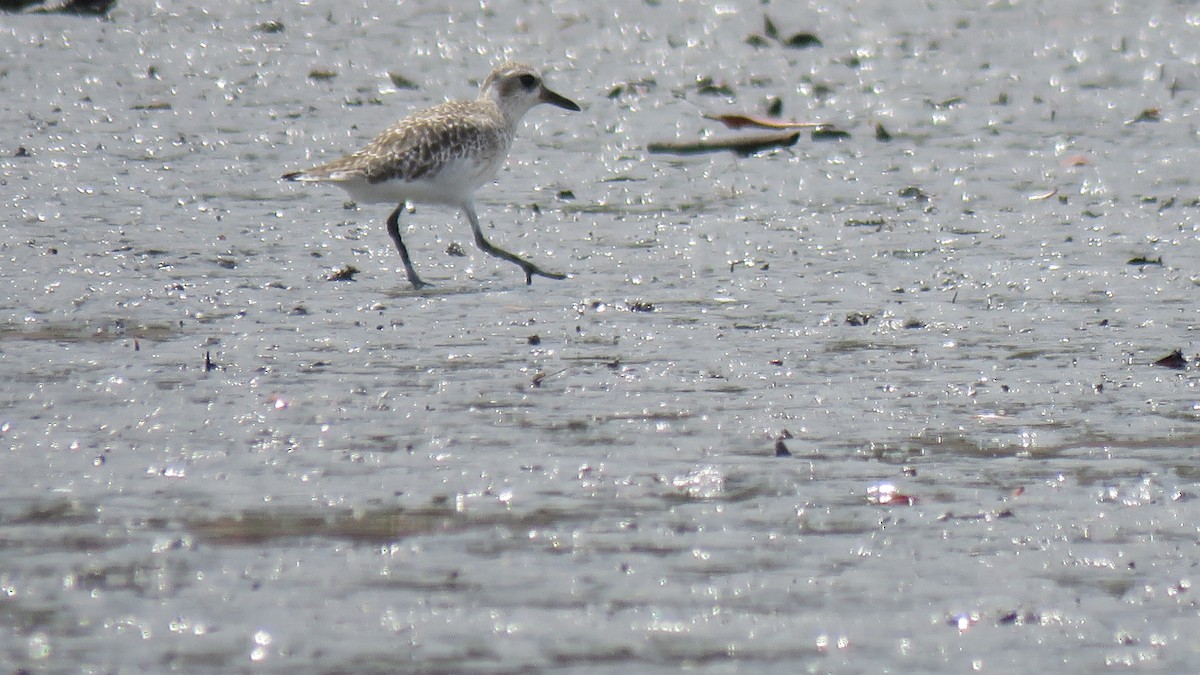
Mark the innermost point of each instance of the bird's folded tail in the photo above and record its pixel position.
(326, 173)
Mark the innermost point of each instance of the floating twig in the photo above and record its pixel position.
(747, 144)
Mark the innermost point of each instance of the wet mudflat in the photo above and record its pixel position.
(868, 403)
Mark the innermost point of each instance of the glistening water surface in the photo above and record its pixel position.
(854, 405)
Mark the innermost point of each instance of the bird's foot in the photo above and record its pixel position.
(531, 269)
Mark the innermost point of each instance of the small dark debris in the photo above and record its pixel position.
(913, 192)
(537, 379)
(637, 87)
(22, 151)
(776, 362)
(912, 324)
(360, 101)
(756, 40)
(770, 28)
(802, 41)
(1173, 360)
(858, 319)
(455, 249)
(1015, 618)
(299, 310)
(881, 134)
(401, 82)
(614, 364)
(272, 26)
(1147, 115)
(1142, 260)
(774, 106)
(795, 41)
(152, 73)
(321, 74)
(781, 449)
(343, 274)
(707, 86)
(153, 105)
(566, 195)
(910, 471)
(877, 223)
(227, 262)
(946, 104)
(829, 133)
(534, 339)
(640, 306)
(209, 366)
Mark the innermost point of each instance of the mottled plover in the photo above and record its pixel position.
(441, 155)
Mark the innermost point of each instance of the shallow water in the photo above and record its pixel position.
(582, 475)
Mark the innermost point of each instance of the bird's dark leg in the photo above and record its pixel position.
(393, 228)
(529, 268)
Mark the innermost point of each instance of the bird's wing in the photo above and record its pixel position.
(419, 146)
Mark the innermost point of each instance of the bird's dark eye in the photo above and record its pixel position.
(528, 81)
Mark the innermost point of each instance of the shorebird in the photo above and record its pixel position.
(442, 155)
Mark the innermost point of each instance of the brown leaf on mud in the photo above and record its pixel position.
(739, 121)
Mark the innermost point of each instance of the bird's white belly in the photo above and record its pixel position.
(452, 184)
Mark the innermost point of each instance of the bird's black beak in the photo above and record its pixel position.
(554, 98)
